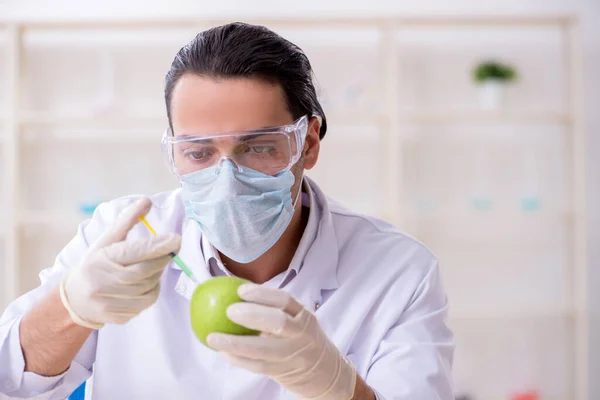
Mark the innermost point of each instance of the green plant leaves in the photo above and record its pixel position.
(493, 70)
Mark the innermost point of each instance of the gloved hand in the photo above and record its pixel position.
(293, 350)
(118, 279)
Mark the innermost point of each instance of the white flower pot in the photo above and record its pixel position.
(491, 94)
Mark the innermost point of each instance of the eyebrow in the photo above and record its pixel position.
(272, 127)
(238, 138)
(200, 139)
(246, 138)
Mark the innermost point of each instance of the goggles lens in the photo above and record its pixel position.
(267, 151)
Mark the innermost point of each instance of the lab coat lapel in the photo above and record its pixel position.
(319, 269)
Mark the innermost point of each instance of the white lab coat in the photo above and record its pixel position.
(379, 299)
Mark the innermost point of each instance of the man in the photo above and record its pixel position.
(349, 307)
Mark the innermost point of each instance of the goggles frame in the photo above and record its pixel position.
(298, 128)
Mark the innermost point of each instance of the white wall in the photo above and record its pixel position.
(588, 10)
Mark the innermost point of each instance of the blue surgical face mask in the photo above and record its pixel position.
(242, 213)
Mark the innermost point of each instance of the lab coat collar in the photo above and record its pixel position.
(320, 262)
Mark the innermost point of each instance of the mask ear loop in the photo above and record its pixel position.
(304, 144)
(299, 190)
(301, 182)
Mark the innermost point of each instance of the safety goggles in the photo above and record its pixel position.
(267, 150)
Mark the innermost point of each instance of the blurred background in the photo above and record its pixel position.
(476, 124)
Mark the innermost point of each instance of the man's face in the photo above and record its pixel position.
(201, 105)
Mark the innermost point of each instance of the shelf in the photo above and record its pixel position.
(149, 37)
(54, 221)
(172, 38)
(489, 216)
(92, 121)
(356, 118)
(95, 129)
(522, 314)
(485, 117)
(141, 136)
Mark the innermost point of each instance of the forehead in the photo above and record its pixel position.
(208, 105)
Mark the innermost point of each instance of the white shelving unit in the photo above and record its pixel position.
(84, 114)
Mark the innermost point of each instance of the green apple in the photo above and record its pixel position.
(209, 305)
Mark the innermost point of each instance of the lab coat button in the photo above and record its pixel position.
(317, 305)
(182, 287)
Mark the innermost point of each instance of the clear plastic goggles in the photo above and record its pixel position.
(267, 150)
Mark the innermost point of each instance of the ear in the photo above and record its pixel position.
(312, 144)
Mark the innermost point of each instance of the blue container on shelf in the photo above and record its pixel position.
(88, 208)
(531, 204)
(480, 203)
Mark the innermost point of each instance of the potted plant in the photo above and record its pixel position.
(492, 77)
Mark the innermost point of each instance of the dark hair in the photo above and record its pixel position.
(243, 50)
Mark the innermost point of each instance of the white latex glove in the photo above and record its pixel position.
(118, 279)
(293, 350)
